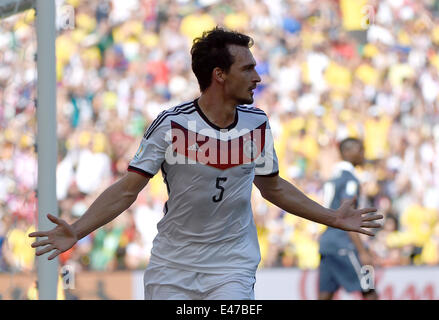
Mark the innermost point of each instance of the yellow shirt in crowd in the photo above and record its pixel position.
(193, 25)
(354, 14)
(374, 130)
(367, 74)
(338, 77)
(20, 245)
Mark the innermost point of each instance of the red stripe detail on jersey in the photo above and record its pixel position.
(218, 153)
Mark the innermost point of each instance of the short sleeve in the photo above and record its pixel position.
(267, 163)
(152, 150)
(350, 190)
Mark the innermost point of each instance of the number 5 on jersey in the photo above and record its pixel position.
(219, 180)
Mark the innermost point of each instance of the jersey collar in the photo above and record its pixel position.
(200, 112)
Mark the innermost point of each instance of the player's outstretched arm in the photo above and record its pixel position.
(112, 202)
(287, 197)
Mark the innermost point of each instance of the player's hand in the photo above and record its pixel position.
(358, 220)
(60, 239)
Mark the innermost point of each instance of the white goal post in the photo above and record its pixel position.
(46, 128)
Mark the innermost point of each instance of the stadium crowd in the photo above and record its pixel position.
(329, 68)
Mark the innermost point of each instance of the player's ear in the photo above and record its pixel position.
(219, 75)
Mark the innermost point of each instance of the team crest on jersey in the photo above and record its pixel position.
(218, 153)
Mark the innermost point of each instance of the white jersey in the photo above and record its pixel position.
(208, 224)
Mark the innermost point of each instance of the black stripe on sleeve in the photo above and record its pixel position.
(268, 175)
(185, 111)
(164, 114)
(250, 108)
(140, 171)
(251, 111)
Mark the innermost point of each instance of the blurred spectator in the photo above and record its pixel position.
(18, 252)
(105, 245)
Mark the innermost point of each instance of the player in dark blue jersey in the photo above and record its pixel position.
(342, 253)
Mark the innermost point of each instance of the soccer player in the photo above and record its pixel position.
(210, 151)
(343, 253)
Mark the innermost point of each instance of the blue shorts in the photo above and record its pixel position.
(342, 269)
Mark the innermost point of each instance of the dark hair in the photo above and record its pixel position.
(210, 51)
(347, 143)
